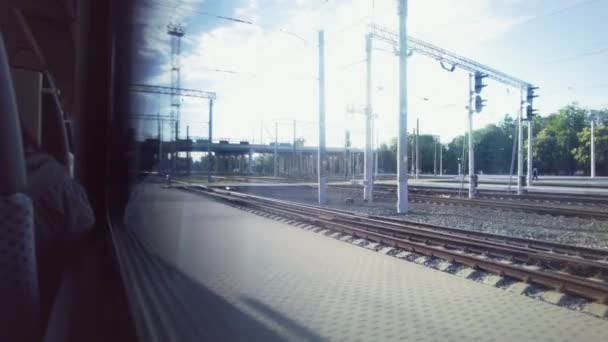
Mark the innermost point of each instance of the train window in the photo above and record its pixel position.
(363, 170)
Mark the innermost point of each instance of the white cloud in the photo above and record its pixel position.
(276, 71)
(154, 16)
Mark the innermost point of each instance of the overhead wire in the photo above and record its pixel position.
(524, 21)
(348, 65)
(349, 26)
(557, 11)
(179, 6)
(578, 56)
(193, 10)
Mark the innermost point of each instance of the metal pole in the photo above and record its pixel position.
(402, 200)
(368, 161)
(346, 161)
(210, 141)
(375, 164)
(471, 142)
(250, 163)
(592, 147)
(293, 155)
(520, 146)
(413, 162)
(434, 157)
(175, 148)
(375, 130)
(188, 150)
(275, 164)
(160, 146)
(530, 138)
(440, 159)
(322, 157)
(417, 148)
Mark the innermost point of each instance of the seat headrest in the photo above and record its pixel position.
(12, 172)
(28, 92)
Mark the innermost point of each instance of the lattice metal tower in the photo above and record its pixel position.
(175, 32)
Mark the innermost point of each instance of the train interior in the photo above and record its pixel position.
(55, 72)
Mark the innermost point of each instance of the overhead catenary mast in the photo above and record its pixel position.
(175, 32)
(368, 178)
(322, 156)
(449, 61)
(402, 195)
(592, 171)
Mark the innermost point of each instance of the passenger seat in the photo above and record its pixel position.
(19, 292)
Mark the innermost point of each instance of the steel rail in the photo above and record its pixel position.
(526, 207)
(487, 248)
(498, 247)
(540, 245)
(578, 199)
(567, 283)
(536, 196)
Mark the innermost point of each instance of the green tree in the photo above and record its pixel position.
(561, 145)
(426, 151)
(264, 164)
(453, 155)
(558, 138)
(387, 157)
(582, 153)
(493, 147)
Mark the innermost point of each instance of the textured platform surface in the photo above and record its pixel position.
(270, 280)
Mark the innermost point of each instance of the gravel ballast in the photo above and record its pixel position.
(567, 230)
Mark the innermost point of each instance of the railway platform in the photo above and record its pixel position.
(239, 276)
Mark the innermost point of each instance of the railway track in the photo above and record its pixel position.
(578, 271)
(502, 195)
(554, 183)
(537, 208)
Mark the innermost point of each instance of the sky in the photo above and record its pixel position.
(263, 66)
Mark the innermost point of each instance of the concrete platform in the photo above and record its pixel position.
(273, 281)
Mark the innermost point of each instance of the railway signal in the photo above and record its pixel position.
(478, 82)
(479, 103)
(530, 111)
(477, 73)
(478, 85)
(530, 95)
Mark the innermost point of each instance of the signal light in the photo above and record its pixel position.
(478, 84)
(479, 103)
(530, 112)
(530, 95)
